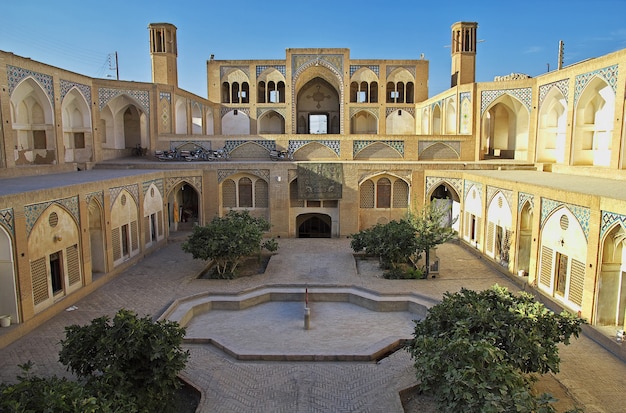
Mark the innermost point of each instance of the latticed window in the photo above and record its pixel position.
(245, 193)
(367, 194)
(39, 274)
(229, 194)
(260, 193)
(73, 264)
(293, 195)
(383, 193)
(400, 194)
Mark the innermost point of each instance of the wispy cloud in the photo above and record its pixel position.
(533, 50)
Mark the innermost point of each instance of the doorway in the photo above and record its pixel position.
(314, 226)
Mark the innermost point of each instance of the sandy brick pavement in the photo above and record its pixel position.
(594, 376)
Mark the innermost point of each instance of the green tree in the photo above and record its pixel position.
(227, 240)
(477, 351)
(51, 394)
(393, 243)
(128, 360)
(431, 229)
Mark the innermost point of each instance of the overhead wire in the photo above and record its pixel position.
(15, 38)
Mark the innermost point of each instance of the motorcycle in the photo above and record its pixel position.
(218, 155)
(166, 155)
(276, 155)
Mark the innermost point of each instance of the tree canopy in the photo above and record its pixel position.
(227, 240)
(476, 351)
(397, 243)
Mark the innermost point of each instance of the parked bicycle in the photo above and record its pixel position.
(139, 151)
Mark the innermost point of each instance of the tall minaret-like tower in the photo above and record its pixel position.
(463, 53)
(163, 51)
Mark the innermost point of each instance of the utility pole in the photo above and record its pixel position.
(117, 67)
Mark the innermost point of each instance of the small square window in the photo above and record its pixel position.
(79, 140)
(274, 96)
(39, 139)
(361, 97)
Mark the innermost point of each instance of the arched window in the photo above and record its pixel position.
(245, 192)
(384, 192)
(261, 92)
(225, 92)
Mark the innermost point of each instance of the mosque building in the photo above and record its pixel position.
(320, 145)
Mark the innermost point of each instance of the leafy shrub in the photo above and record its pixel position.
(227, 240)
(476, 351)
(128, 360)
(36, 394)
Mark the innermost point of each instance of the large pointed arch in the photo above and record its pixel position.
(77, 130)
(446, 197)
(524, 238)
(153, 216)
(308, 77)
(364, 122)
(183, 206)
(436, 122)
(450, 116)
(552, 128)
(124, 227)
(236, 122)
(32, 117)
(499, 230)
(181, 116)
(473, 216)
(593, 120)
(314, 151)
(8, 279)
(271, 122)
(97, 238)
(54, 252)
(124, 124)
(196, 119)
(504, 132)
(400, 122)
(563, 253)
(611, 285)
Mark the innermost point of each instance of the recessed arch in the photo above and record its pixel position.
(125, 124)
(236, 122)
(8, 280)
(32, 116)
(271, 122)
(249, 150)
(563, 254)
(318, 105)
(504, 132)
(378, 150)
(314, 150)
(611, 284)
(313, 225)
(77, 130)
(446, 198)
(183, 206)
(552, 128)
(97, 238)
(400, 122)
(593, 120)
(364, 122)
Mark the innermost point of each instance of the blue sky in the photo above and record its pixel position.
(520, 37)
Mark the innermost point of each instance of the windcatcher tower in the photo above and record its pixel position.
(463, 53)
(163, 52)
